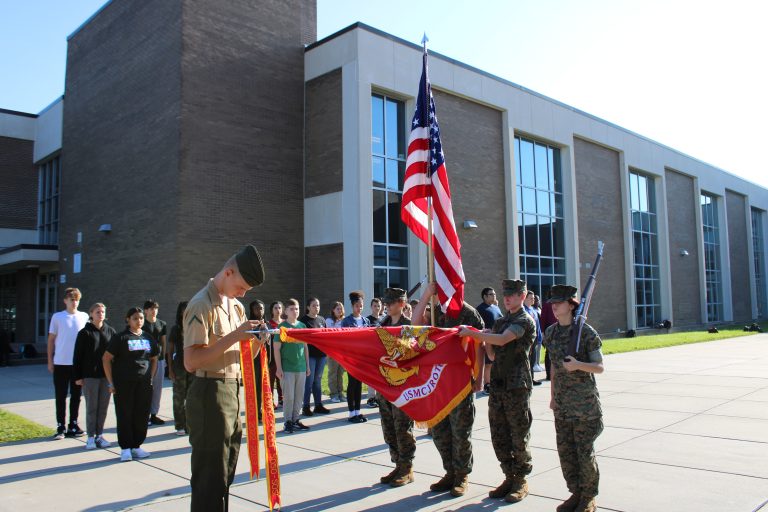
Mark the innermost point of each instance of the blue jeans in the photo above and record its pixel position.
(312, 384)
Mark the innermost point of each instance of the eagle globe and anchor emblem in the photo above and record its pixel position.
(411, 342)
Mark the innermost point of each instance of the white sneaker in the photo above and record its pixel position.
(102, 443)
(91, 443)
(335, 400)
(181, 432)
(125, 455)
(138, 453)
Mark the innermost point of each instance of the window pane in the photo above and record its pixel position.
(545, 236)
(379, 216)
(377, 125)
(397, 233)
(377, 168)
(542, 203)
(526, 163)
(398, 279)
(398, 256)
(400, 174)
(379, 281)
(392, 174)
(529, 200)
(392, 126)
(380, 255)
(540, 165)
(531, 238)
(518, 173)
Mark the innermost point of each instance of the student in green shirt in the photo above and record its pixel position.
(292, 360)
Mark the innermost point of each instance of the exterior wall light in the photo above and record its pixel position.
(105, 228)
(683, 252)
(470, 224)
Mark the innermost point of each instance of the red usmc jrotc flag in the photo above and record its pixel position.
(425, 176)
(425, 371)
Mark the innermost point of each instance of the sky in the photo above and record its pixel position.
(688, 74)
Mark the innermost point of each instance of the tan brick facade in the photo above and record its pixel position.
(682, 203)
(599, 199)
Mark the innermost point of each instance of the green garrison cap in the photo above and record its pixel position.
(393, 295)
(250, 266)
(512, 286)
(563, 293)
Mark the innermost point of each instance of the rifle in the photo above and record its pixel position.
(580, 314)
(416, 287)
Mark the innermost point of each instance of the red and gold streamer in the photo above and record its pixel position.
(252, 421)
(270, 435)
(251, 406)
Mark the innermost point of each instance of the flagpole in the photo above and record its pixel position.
(430, 251)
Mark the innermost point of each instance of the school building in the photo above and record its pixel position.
(187, 129)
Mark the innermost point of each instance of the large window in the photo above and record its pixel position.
(49, 179)
(642, 204)
(758, 243)
(8, 305)
(540, 230)
(390, 239)
(47, 289)
(713, 275)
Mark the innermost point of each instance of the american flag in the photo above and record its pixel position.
(425, 176)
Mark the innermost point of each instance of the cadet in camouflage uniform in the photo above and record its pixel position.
(452, 436)
(509, 411)
(397, 426)
(575, 401)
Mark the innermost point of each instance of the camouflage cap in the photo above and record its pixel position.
(563, 293)
(512, 286)
(393, 295)
(249, 265)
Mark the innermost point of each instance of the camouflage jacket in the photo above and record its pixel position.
(467, 316)
(575, 393)
(512, 367)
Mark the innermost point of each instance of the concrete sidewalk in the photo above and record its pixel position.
(686, 430)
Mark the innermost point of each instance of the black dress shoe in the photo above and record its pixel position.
(363, 419)
(306, 411)
(319, 409)
(537, 383)
(299, 425)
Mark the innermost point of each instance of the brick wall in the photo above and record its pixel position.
(598, 192)
(242, 139)
(323, 147)
(739, 256)
(120, 163)
(474, 156)
(682, 203)
(183, 129)
(18, 184)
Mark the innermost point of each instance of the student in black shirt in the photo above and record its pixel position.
(88, 372)
(129, 363)
(317, 359)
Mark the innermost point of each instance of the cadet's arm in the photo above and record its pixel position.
(571, 364)
(199, 355)
(489, 338)
(276, 346)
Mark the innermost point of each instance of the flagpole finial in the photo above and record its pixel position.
(424, 40)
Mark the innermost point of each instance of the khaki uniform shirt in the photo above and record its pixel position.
(205, 321)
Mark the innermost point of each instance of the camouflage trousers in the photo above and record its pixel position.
(180, 388)
(576, 448)
(510, 418)
(452, 437)
(397, 428)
